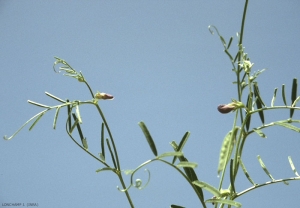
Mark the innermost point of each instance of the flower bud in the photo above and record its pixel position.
(230, 107)
(225, 108)
(103, 96)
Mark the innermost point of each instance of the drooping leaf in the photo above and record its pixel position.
(148, 137)
(207, 187)
(102, 140)
(74, 125)
(249, 106)
(259, 102)
(69, 116)
(78, 114)
(78, 128)
(287, 125)
(246, 172)
(260, 113)
(190, 173)
(37, 117)
(232, 175)
(55, 117)
(293, 166)
(257, 94)
(111, 153)
(293, 95)
(226, 149)
(36, 120)
(85, 144)
(264, 168)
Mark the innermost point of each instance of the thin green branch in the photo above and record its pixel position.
(264, 184)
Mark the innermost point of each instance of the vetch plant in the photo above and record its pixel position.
(231, 154)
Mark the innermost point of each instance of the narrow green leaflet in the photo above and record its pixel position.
(101, 156)
(289, 126)
(207, 187)
(78, 128)
(232, 175)
(55, 117)
(187, 164)
(73, 126)
(170, 154)
(229, 43)
(69, 114)
(249, 106)
(264, 168)
(148, 137)
(183, 141)
(128, 172)
(293, 95)
(292, 166)
(229, 55)
(174, 145)
(111, 153)
(104, 169)
(181, 144)
(283, 94)
(85, 144)
(224, 201)
(38, 104)
(176, 206)
(37, 120)
(274, 97)
(246, 172)
(257, 94)
(78, 114)
(102, 140)
(55, 98)
(260, 133)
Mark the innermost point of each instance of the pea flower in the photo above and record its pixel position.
(234, 105)
(103, 96)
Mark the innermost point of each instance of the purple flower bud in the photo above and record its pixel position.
(103, 96)
(231, 106)
(225, 108)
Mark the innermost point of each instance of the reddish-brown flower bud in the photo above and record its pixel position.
(230, 107)
(225, 108)
(103, 96)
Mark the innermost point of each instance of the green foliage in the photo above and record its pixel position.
(230, 157)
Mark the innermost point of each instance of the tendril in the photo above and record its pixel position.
(211, 27)
(137, 183)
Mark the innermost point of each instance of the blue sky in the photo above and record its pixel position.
(164, 67)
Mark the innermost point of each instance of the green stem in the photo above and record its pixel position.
(124, 187)
(264, 184)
